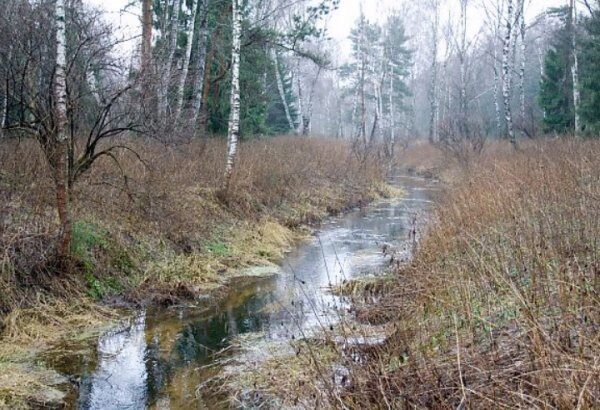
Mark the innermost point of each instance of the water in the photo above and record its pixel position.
(159, 358)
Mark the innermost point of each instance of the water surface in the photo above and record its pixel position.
(160, 358)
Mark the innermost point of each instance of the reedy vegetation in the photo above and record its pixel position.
(500, 307)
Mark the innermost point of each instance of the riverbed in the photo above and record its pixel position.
(160, 358)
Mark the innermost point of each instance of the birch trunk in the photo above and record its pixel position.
(496, 91)
(163, 103)
(200, 64)
(463, 70)
(186, 62)
(281, 89)
(523, 59)
(363, 108)
(392, 113)
(234, 116)
(60, 145)
(506, 74)
(307, 118)
(575, 67)
(434, 76)
(300, 129)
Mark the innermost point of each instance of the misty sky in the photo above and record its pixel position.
(339, 24)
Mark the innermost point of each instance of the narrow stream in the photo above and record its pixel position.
(158, 359)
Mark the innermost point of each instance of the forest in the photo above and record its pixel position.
(347, 204)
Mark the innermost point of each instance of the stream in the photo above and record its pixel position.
(159, 358)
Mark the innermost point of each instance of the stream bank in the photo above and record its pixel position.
(165, 357)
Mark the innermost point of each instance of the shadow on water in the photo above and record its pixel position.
(160, 357)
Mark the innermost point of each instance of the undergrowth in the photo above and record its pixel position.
(155, 229)
(500, 307)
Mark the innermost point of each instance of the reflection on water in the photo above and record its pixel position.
(159, 358)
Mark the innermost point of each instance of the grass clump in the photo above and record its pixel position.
(279, 374)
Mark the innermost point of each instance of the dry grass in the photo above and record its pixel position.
(152, 231)
(160, 221)
(500, 307)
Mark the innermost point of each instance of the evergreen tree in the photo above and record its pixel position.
(556, 89)
(590, 74)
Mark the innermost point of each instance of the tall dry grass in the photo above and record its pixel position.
(161, 204)
(501, 306)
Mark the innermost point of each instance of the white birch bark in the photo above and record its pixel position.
(300, 129)
(523, 60)
(281, 89)
(463, 69)
(307, 119)
(186, 61)
(60, 81)
(506, 73)
(433, 103)
(60, 146)
(163, 102)
(392, 113)
(3, 121)
(575, 67)
(234, 116)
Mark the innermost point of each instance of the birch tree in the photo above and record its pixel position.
(60, 142)
(165, 81)
(575, 65)
(433, 101)
(507, 72)
(280, 88)
(186, 61)
(201, 61)
(234, 115)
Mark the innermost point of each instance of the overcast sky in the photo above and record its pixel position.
(339, 24)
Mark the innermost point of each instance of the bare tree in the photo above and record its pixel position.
(146, 62)
(234, 116)
(433, 86)
(575, 65)
(507, 73)
(165, 81)
(186, 62)
(59, 141)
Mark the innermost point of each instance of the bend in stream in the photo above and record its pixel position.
(158, 358)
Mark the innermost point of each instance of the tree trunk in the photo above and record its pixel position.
(464, 127)
(523, 59)
(363, 107)
(392, 114)
(163, 102)
(234, 116)
(60, 145)
(5, 104)
(201, 63)
(186, 61)
(307, 115)
(575, 67)
(281, 89)
(433, 103)
(300, 129)
(146, 47)
(506, 75)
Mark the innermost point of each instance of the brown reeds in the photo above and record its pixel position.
(500, 307)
